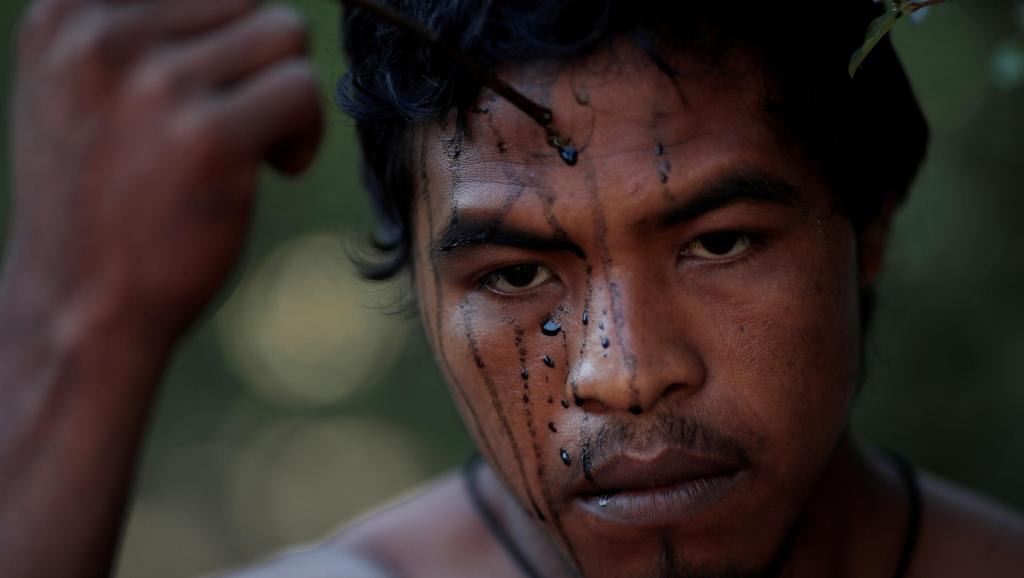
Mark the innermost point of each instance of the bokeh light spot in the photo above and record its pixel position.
(300, 479)
(300, 330)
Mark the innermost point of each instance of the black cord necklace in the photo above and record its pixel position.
(490, 518)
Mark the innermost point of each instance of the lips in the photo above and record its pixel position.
(666, 487)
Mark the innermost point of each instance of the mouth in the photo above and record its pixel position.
(669, 488)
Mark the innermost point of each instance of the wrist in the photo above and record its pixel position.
(93, 322)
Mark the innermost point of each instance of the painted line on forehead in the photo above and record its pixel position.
(439, 308)
(468, 319)
(451, 147)
(582, 98)
(671, 73)
(547, 200)
(614, 292)
(499, 138)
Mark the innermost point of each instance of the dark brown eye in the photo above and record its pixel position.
(517, 278)
(717, 246)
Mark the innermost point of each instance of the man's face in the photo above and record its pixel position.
(656, 348)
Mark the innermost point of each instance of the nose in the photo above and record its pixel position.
(635, 351)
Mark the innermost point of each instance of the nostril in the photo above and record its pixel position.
(636, 409)
(673, 388)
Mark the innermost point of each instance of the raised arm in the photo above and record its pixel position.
(138, 128)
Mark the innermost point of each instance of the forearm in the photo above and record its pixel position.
(138, 131)
(75, 390)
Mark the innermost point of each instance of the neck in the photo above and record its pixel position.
(855, 521)
(853, 525)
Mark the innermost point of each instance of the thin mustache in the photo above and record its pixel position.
(614, 437)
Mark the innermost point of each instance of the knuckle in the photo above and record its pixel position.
(289, 24)
(200, 135)
(35, 18)
(303, 74)
(39, 15)
(95, 41)
(156, 81)
(300, 78)
(38, 20)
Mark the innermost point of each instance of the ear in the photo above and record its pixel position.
(874, 240)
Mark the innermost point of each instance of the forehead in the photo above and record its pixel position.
(644, 136)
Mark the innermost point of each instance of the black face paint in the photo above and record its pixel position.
(565, 457)
(646, 44)
(585, 319)
(550, 328)
(569, 154)
(551, 426)
(468, 315)
(548, 361)
(664, 168)
(520, 345)
(439, 304)
(618, 316)
(560, 235)
(528, 410)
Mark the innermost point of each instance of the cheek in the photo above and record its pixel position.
(791, 359)
(507, 398)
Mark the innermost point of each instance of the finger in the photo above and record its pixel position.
(276, 114)
(123, 31)
(40, 20)
(232, 53)
(171, 18)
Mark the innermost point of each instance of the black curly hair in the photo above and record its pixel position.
(867, 134)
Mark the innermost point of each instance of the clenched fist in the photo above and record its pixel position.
(139, 127)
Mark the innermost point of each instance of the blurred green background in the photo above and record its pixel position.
(296, 404)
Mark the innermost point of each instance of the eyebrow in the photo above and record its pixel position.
(462, 233)
(737, 187)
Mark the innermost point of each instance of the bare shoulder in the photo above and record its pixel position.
(434, 531)
(965, 534)
(318, 562)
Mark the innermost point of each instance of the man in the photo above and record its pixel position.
(649, 311)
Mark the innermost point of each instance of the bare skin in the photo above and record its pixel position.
(138, 130)
(723, 332)
(759, 345)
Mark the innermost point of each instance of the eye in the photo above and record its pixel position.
(517, 278)
(718, 246)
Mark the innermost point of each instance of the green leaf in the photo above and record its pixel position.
(876, 31)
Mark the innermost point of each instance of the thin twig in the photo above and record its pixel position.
(911, 7)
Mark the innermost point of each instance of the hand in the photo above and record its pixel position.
(139, 127)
